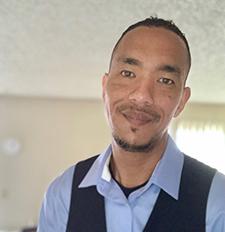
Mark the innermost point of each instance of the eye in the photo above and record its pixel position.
(166, 81)
(126, 73)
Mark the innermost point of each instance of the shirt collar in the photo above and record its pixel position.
(166, 175)
(99, 170)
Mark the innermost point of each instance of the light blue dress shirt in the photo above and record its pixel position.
(130, 214)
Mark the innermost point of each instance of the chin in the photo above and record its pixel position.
(135, 147)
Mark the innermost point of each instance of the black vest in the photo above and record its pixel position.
(187, 214)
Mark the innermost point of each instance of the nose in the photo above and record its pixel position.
(142, 92)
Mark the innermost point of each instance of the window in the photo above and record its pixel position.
(205, 143)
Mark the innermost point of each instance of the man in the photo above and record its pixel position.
(142, 182)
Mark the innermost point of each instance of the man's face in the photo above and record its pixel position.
(144, 88)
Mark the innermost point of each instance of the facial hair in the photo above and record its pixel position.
(142, 148)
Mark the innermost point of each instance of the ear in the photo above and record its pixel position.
(104, 83)
(186, 95)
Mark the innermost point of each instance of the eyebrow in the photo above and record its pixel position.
(130, 60)
(165, 67)
(170, 69)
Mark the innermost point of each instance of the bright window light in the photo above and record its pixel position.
(204, 144)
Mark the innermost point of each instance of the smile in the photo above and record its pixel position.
(138, 118)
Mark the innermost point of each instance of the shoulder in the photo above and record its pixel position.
(55, 206)
(61, 186)
(59, 190)
(217, 192)
(216, 202)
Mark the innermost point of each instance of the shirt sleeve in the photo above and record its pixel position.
(55, 207)
(215, 214)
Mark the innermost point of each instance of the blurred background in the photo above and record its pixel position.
(52, 56)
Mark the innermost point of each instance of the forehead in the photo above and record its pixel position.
(152, 42)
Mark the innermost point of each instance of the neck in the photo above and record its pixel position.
(131, 168)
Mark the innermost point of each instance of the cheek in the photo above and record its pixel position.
(168, 103)
(117, 85)
(112, 97)
(117, 91)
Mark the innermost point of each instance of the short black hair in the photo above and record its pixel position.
(156, 22)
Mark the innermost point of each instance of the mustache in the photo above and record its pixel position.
(146, 109)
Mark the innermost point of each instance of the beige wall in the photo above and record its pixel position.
(204, 112)
(54, 134)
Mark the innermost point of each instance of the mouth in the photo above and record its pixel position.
(139, 118)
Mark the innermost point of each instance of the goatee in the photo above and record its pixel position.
(141, 148)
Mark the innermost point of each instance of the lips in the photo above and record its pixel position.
(136, 118)
(139, 115)
(140, 118)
